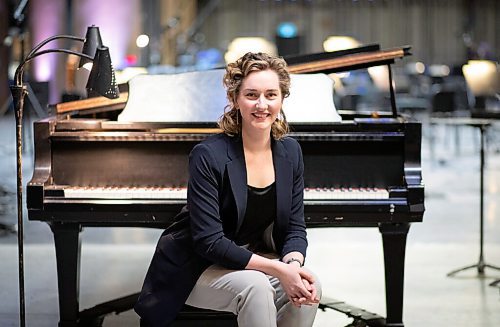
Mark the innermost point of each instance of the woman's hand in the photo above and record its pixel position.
(307, 301)
(298, 284)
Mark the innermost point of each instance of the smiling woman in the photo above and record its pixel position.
(255, 66)
(240, 244)
(259, 101)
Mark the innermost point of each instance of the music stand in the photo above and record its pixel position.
(483, 125)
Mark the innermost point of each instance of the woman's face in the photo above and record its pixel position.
(259, 100)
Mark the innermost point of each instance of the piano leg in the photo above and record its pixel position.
(67, 244)
(394, 243)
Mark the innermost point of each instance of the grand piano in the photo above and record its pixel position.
(362, 169)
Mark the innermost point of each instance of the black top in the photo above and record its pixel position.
(260, 213)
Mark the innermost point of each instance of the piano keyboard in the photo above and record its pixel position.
(152, 193)
(180, 193)
(345, 193)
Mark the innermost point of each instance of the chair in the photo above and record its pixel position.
(188, 316)
(192, 317)
(443, 103)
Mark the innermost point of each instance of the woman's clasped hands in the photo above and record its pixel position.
(298, 284)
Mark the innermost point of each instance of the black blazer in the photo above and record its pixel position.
(205, 229)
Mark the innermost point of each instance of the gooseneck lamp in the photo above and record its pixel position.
(101, 82)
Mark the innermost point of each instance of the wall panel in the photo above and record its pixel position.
(434, 28)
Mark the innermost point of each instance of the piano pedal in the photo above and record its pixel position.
(94, 317)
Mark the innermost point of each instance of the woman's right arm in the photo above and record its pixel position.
(209, 240)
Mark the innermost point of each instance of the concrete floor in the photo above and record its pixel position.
(349, 261)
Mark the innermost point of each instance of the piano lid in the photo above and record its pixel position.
(195, 88)
(200, 97)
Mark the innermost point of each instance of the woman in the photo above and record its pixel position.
(240, 243)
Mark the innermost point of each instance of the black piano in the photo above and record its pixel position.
(89, 172)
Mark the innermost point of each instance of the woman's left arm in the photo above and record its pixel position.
(295, 244)
(296, 237)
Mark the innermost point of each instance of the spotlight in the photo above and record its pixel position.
(142, 41)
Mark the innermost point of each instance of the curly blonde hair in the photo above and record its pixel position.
(236, 72)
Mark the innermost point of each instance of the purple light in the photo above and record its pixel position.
(117, 21)
(45, 68)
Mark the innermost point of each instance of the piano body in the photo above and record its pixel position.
(361, 171)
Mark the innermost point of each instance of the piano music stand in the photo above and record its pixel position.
(483, 125)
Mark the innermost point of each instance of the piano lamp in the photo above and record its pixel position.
(101, 81)
(93, 42)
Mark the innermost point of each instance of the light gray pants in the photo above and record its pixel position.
(258, 299)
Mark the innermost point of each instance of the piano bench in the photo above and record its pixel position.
(191, 317)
